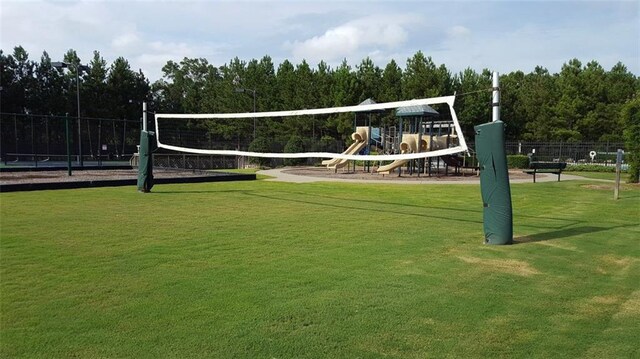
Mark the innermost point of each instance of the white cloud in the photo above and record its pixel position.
(365, 35)
(125, 40)
(459, 31)
(525, 47)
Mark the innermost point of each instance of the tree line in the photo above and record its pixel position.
(583, 102)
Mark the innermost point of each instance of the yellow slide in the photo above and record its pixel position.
(360, 138)
(409, 144)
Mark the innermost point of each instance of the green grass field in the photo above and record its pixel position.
(611, 176)
(326, 270)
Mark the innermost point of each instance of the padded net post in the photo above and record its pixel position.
(145, 164)
(494, 183)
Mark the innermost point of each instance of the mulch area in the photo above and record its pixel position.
(360, 174)
(58, 176)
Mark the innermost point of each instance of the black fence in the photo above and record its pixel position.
(29, 140)
(570, 152)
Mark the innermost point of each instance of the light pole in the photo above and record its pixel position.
(236, 82)
(78, 68)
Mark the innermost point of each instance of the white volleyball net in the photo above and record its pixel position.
(190, 133)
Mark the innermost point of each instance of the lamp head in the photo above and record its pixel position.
(59, 64)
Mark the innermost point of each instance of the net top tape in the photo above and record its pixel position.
(318, 111)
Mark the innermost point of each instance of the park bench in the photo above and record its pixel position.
(545, 167)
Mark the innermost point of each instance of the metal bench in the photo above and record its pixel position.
(545, 167)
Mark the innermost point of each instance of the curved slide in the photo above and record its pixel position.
(409, 144)
(361, 138)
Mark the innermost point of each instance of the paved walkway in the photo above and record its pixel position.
(281, 176)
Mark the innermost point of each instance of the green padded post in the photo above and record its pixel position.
(494, 183)
(145, 161)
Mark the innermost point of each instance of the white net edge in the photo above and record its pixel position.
(317, 111)
(407, 156)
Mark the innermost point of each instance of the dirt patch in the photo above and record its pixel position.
(598, 186)
(630, 307)
(597, 306)
(510, 266)
(620, 262)
(609, 187)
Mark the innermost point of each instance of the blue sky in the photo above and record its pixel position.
(500, 35)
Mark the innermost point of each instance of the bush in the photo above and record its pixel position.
(517, 161)
(591, 168)
(294, 145)
(260, 144)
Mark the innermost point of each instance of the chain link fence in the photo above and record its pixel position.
(41, 140)
(570, 152)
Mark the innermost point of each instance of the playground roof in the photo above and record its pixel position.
(418, 110)
(369, 101)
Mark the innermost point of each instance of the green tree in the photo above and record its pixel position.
(369, 79)
(48, 88)
(511, 94)
(95, 94)
(421, 78)
(344, 94)
(390, 89)
(473, 107)
(537, 105)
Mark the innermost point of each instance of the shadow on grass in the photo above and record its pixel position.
(352, 206)
(559, 223)
(564, 233)
(201, 192)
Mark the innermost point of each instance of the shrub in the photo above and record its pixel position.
(591, 168)
(517, 161)
(294, 145)
(260, 144)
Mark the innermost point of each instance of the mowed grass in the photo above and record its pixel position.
(611, 176)
(276, 270)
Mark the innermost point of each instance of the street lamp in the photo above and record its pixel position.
(236, 82)
(78, 68)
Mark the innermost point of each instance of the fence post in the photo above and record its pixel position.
(616, 189)
(67, 132)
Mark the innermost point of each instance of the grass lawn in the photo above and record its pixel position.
(276, 270)
(600, 175)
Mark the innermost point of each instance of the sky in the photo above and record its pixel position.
(502, 36)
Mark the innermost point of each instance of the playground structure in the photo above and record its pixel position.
(417, 129)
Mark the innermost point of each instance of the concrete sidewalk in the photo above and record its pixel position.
(281, 176)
